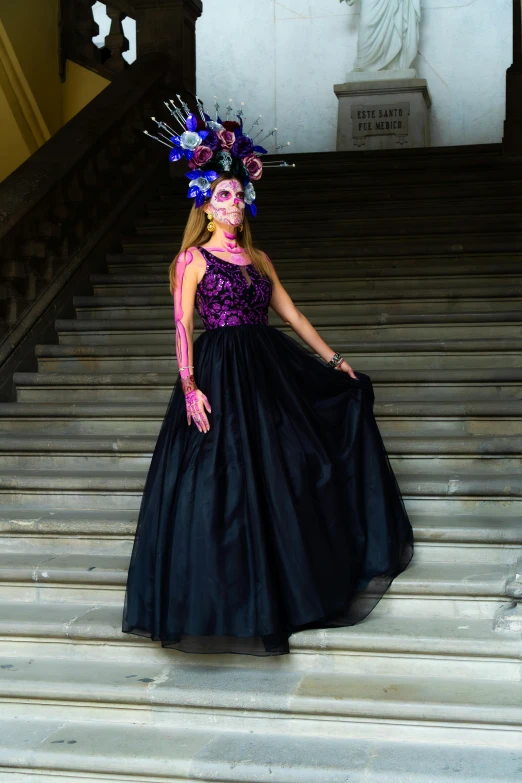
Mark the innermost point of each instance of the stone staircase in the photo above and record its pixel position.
(410, 264)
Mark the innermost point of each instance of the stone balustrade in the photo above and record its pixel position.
(52, 203)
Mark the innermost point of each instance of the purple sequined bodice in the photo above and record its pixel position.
(224, 297)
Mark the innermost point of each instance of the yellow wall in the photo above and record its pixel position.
(34, 103)
(13, 147)
(79, 88)
(32, 28)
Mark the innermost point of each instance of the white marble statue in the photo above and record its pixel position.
(388, 34)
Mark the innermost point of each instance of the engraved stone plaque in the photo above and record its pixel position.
(380, 119)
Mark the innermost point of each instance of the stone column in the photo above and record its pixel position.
(513, 124)
(170, 26)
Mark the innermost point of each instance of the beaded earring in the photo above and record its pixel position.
(211, 226)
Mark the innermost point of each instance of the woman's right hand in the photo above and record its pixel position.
(196, 402)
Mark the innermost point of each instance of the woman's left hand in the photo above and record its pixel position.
(345, 367)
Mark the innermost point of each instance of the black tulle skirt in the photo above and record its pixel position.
(285, 516)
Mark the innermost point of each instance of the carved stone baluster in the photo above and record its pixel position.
(77, 29)
(12, 273)
(85, 29)
(115, 42)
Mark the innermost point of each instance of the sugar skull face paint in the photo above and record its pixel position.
(227, 204)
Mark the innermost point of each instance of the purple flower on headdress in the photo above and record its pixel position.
(226, 138)
(202, 155)
(212, 141)
(253, 165)
(242, 146)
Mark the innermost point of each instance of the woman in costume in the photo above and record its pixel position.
(270, 505)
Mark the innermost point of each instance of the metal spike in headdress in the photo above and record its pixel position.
(212, 147)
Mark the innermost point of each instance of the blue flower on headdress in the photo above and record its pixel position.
(188, 141)
(200, 184)
(250, 193)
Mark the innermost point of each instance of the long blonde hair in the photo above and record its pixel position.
(197, 233)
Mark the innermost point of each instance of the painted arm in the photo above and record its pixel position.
(184, 296)
(283, 305)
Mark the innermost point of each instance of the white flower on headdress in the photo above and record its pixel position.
(189, 140)
(202, 183)
(250, 194)
(215, 126)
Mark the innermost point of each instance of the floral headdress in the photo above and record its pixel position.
(212, 147)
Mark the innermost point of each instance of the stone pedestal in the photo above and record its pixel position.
(379, 111)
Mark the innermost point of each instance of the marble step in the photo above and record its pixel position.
(337, 288)
(462, 491)
(331, 312)
(118, 425)
(336, 261)
(478, 538)
(163, 210)
(62, 418)
(462, 289)
(421, 244)
(294, 265)
(54, 749)
(390, 386)
(328, 315)
(503, 355)
(285, 183)
(423, 646)
(434, 411)
(394, 179)
(424, 589)
(446, 538)
(428, 349)
(432, 459)
(294, 186)
(126, 359)
(368, 192)
(361, 225)
(430, 454)
(439, 164)
(328, 704)
(365, 328)
(432, 419)
(128, 391)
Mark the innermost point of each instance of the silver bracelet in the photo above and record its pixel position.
(335, 360)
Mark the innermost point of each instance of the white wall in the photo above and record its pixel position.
(283, 58)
